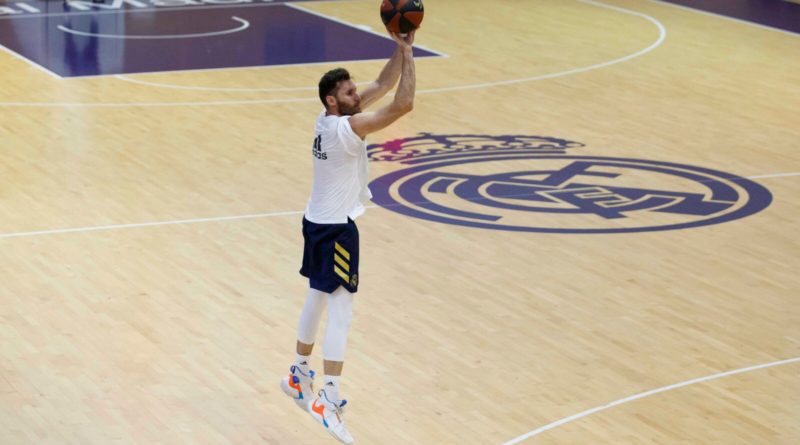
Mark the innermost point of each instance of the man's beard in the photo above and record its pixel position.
(349, 111)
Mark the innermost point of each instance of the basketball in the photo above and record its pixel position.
(402, 16)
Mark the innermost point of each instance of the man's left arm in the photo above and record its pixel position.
(385, 81)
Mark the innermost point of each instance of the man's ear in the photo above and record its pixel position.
(331, 101)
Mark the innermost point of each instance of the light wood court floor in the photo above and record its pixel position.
(178, 332)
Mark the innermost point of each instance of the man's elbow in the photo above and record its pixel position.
(407, 106)
(402, 106)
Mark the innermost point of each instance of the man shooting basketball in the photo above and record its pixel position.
(330, 256)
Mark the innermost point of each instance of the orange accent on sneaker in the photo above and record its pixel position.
(294, 385)
(318, 408)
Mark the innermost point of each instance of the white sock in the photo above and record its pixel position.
(303, 362)
(331, 387)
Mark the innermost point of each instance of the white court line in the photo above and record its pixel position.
(662, 35)
(720, 16)
(244, 25)
(148, 224)
(598, 409)
(776, 175)
(651, 47)
(154, 104)
(223, 218)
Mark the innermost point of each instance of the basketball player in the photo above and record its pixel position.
(330, 256)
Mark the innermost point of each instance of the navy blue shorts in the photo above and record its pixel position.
(330, 255)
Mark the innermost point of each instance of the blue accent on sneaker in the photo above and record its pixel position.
(294, 369)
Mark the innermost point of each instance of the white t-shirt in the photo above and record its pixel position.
(340, 172)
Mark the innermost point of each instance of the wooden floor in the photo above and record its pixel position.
(177, 332)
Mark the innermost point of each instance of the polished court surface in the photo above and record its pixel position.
(584, 233)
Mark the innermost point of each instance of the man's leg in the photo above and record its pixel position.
(308, 324)
(327, 407)
(340, 314)
(299, 383)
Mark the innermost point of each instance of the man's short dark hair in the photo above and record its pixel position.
(329, 83)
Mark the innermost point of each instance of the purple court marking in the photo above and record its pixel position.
(779, 14)
(533, 176)
(135, 36)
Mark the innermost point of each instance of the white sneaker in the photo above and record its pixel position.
(331, 415)
(299, 386)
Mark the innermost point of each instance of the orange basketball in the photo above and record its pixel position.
(402, 16)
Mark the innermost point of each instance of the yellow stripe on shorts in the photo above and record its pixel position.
(341, 262)
(341, 273)
(341, 250)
